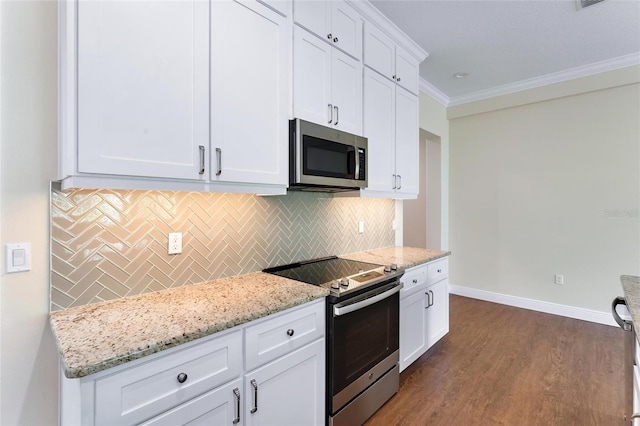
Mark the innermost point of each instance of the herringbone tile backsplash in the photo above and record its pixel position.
(108, 244)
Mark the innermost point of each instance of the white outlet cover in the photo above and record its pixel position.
(174, 243)
(18, 257)
(360, 227)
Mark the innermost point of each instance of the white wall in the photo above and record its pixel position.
(433, 119)
(28, 158)
(548, 187)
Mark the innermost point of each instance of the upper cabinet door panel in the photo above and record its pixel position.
(346, 29)
(346, 92)
(311, 78)
(379, 51)
(143, 87)
(379, 128)
(407, 140)
(249, 92)
(407, 70)
(314, 15)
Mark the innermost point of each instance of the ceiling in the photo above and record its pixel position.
(506, 46)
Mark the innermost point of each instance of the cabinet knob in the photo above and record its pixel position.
(415, 281)
(439, 271)
(290, 332)
(182, 377)
(329, 36)
(398, 79)
(394, 77)
(335, 39)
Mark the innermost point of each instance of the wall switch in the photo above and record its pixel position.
(18, 257)
(360, 227)
(175, 243)
(559, 279)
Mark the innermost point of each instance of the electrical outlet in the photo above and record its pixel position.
(360, 227)
(175, 243)
(559, 279)
(394, 224)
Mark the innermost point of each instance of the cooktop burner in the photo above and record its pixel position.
(340, 276)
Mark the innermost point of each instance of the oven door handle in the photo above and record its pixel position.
(342, 310)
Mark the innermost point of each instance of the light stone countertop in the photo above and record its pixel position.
(631, 288)
(405, 257)
(95, 337)
(99, 336)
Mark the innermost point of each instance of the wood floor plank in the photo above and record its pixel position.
(501, 365)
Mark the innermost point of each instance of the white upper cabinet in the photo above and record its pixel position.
(391, 126)
(142, 88)
(249, 93)
(175, 95)
(383, 55)
(327, 84)
(331, 20)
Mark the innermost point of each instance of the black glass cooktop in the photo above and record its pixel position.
(321, 271)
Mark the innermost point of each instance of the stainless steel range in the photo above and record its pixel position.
(362, 333)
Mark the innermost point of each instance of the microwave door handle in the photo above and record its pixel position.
(357, 159)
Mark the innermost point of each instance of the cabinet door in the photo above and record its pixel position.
(346, 92)
(346, 28)
(379, 51)
(218, 407)
(311, 78)
(249, 93)
(438, 312)
(143, 87)
(413, 332)
(407, 70)
(379, 128)
(407, 149)
(314, 15)
(288, 391)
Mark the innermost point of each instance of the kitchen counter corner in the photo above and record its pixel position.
(405, 257)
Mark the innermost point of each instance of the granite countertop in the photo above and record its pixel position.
(95, 337)
(405, 257)
(631, 287)
(99, 336)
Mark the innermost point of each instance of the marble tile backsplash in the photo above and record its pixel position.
(107, 244)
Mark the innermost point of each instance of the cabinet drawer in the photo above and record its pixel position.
(136, 394)
(278, 336)
(438, 270)
(413, 277)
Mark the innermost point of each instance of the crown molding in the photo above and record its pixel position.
(372, 14)
(545, 80)
(431, 90)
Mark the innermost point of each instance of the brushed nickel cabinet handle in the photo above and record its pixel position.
(290, 332)
(236, 393)
(395, 182)
(219, 159)
(337, 111)
(201, 148)
(182, 377)
(330, 113)
(254, 384)
(400, 184)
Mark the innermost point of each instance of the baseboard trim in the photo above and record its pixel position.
(535, 305)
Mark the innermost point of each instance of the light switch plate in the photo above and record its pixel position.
(18, 257)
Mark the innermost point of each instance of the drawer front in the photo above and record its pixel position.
(413, 277)
(275, 337)
(438, 271)
(146, 390)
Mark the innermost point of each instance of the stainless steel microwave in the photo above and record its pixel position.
(324, 159)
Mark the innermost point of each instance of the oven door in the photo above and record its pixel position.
(363, 343)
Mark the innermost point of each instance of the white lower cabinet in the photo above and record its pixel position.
(424, 309)
(278, 379)
(288, 391)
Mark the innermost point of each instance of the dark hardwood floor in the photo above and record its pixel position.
(501, 365)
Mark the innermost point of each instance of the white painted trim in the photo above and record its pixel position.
(431, 90)
(557, 77)
(535, 305)
(372, 14)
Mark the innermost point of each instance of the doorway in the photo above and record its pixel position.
(422, 218)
